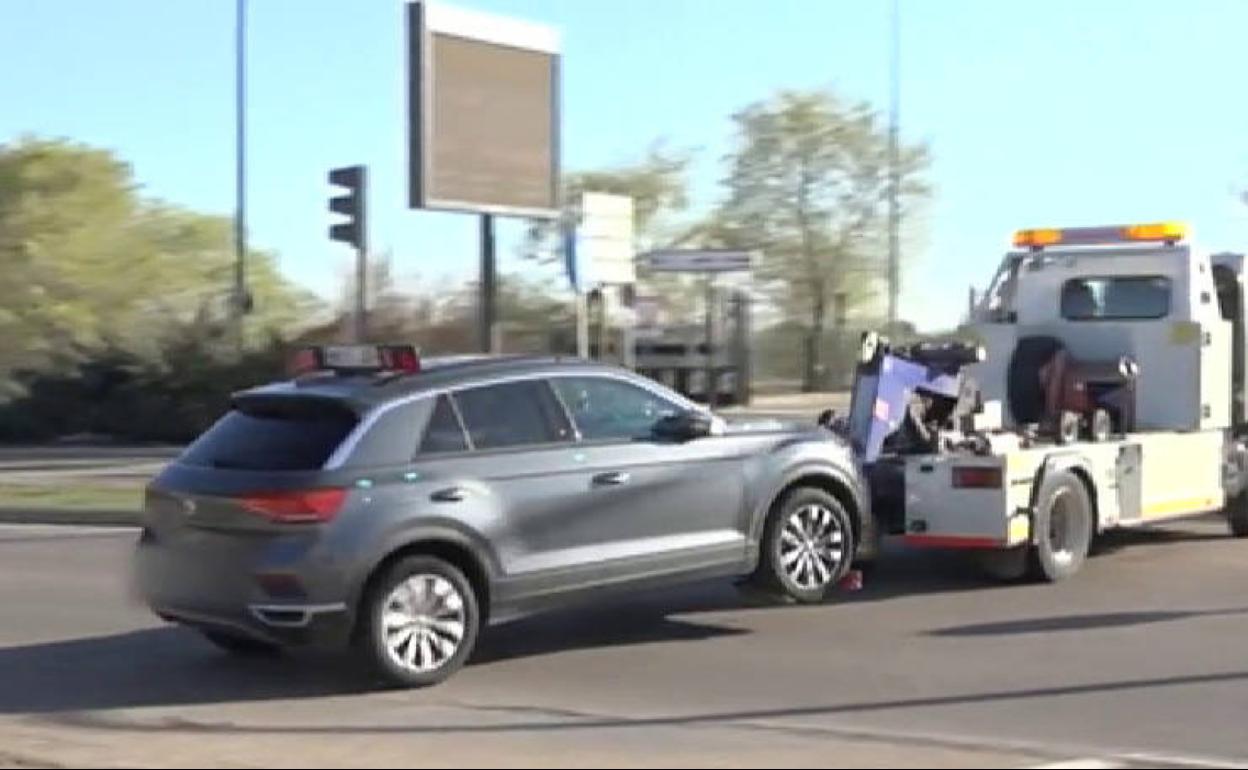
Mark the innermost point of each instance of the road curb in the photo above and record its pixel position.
(78, 518)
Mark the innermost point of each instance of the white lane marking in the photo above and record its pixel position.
(1141, 760)
(1153, 759)
(1085, 763)
(42, 531)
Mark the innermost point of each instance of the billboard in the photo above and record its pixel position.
(483, 112)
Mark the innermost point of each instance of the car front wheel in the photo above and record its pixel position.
(807, 545)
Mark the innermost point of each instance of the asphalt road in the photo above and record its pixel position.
(1141, 654)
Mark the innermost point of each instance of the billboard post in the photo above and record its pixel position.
(483, 122)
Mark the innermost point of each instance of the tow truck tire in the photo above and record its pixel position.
(1062, 527)
(1024, 390)
(807, 546)
(1236, 511)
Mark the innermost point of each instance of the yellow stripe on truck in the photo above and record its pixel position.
(1178, 507)
(1020, 529)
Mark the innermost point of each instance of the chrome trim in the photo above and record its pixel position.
(305, 611)
(357, 433)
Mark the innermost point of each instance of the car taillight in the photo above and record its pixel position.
(976, 477)
(297, 505)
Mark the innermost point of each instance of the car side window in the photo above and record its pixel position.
(443, 433)
(512, 414)
(607, 408)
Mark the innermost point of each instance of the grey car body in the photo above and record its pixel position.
(596, 505)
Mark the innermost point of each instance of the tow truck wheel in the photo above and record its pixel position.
(1236, 511)
(807, 546)
(1062, 526)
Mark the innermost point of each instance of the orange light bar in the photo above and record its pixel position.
(1035, 238)
(1168, 232)
(1157, 231)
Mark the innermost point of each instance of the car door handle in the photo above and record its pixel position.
(448, 495)
(610, 479)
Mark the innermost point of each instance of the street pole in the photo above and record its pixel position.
(582, 325)
(240, 172)
(894, 173)
(361, 290)
(488, 284)
(710, 341)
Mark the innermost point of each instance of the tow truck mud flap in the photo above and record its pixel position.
(964, 502)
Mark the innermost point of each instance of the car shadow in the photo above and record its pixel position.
(173, 666)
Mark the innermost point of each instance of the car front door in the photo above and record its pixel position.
(651, 505)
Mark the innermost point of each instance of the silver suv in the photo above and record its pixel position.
(395, 506)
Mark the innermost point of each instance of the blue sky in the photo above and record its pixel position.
(1037, 113)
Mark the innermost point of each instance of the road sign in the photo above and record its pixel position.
(605, 239)
(699, 260)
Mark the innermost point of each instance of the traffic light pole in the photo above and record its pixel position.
(489, 289)
(240, 303)
(711, 385)
(361, 290)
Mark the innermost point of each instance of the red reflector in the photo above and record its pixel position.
(976, 477)
(304, 361)
(399, 358)
(296, 506)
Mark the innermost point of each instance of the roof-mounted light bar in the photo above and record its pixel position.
(355, 359)
(1163, 232)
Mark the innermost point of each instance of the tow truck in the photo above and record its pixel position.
(1101, 385)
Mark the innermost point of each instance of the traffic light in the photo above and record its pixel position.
(352, 204)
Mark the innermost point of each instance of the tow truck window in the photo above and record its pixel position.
(1122, 298)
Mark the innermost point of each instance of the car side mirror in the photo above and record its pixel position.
(683, 426)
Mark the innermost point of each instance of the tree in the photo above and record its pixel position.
(807, 185)
(658, 185)
(90, 266)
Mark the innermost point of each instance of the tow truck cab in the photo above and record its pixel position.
(1163, 318)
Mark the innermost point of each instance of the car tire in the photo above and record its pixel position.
(807, 545)
(241, 646)
(420, 622)
(1062, 528)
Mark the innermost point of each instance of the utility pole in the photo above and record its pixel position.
(488, 310)
(241, 301)
(894, 172)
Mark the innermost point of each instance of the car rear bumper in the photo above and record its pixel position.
(269, 589)
(323, 626)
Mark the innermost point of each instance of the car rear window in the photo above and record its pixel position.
(273, 436)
